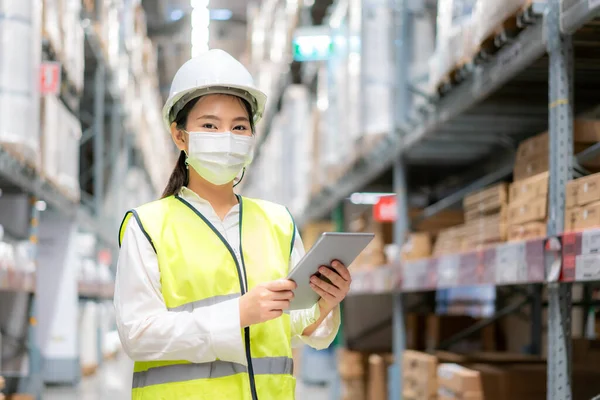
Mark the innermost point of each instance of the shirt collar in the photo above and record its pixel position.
(192, 197)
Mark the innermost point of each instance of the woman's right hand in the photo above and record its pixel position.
(266, 301)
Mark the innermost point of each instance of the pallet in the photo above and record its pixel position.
(505, 32)
(19, 152)
(459, 73)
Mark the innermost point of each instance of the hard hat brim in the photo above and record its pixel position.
(255, 97)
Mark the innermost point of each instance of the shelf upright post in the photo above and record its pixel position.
(99, 98)
(115, 159)
(403, 42)
(560, 107)
(398, 327)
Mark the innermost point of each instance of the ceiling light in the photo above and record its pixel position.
(220, 14)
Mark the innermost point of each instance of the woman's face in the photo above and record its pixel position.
(216, 113)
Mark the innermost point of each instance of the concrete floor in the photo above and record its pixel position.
(113, 382)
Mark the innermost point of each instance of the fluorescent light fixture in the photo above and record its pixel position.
(200, 18)
(367, 198)
(220, 14)
(176, 15)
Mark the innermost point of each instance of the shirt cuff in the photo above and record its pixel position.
(325, 333)
(226, 332)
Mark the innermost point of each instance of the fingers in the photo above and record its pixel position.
(334, 277)
(281, 285)
(341, 270)
(279, 305)
(326, 287)
(282, 295)
(323, 293)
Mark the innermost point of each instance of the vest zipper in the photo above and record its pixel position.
(240, 269)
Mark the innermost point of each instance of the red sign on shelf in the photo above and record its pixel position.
(50, 78)
(385, 210)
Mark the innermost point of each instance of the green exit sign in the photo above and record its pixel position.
(313, 43)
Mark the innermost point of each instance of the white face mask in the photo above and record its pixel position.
(219, 157)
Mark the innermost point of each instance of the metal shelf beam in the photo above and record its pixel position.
(528, 47)
(579, 13)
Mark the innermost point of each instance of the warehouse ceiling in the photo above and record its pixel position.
(169, 28)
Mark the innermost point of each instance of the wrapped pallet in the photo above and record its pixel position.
(20, 57)
(454, 44)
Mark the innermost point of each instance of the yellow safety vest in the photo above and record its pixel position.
(199, 268)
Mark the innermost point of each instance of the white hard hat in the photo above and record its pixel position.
(214, 71)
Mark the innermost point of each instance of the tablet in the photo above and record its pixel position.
(330, 246)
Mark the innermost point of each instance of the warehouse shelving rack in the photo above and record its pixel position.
(109, 141)
(539, 63)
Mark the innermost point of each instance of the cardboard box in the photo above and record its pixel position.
(458, 379)
(531, 167)
(571, 194)
(353, 390)
(417, 246)
(445, 395)
(529, 189)
(489, 229)
(485, 201)
(351, 364)
(377, 383)
(443, 220)
(528, 231)
(586, 130)
(450, 241)
(571, 215)
(588, 189)
(588, 217)
(532, 147)
(534, 210)
(419, 375)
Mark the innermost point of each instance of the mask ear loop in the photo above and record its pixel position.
(241, 177)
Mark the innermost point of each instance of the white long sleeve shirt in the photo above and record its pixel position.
(150, 332)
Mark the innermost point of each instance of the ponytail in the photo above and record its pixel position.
(179, 177)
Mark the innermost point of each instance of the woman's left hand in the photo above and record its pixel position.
(332, 293)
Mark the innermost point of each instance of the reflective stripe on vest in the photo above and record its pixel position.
(216, 369)
(198, 268)
(211, 301)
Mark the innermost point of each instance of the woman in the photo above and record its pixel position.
(200, 288)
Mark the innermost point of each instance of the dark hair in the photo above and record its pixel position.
(180, 177)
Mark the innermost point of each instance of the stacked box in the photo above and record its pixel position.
(532, 154)
(351, 364)
(583, 203)
(377, 380)
(433, 225)
(363, 376)
(485, 231)
(527, 209)
(456, 382)
(492, 200)
(450, 241)
(417, 246)
(419, 376)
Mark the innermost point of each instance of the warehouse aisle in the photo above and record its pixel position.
(112, 382)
